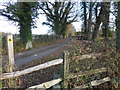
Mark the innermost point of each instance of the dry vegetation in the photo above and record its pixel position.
(108, 59)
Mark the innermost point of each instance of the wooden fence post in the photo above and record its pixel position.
(65, 68)
(10, 83)
(10, 51)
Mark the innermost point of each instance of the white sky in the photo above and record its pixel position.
(10, 27)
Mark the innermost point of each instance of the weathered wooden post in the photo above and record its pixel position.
(10, 83)
(10, 51)
(65, 68)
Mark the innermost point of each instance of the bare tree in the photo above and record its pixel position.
(103, 16)
(89, 27)
(106, 19)
(85, 20)
(59, 15)
(86, 15)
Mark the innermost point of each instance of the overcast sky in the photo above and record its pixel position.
(10, 27)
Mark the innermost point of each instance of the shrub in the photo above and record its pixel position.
(110, 33)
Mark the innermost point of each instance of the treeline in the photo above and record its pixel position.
(94, 15)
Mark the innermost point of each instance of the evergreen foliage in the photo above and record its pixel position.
(24, 13)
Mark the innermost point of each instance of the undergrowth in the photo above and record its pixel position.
(109, 59)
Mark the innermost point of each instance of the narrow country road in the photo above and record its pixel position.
(36, 54)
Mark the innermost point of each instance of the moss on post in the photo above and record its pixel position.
(65, 69)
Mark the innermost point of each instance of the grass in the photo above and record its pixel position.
(0, 69)
(0, 84)
(18, 46)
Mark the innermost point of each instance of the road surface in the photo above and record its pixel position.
(36, 54)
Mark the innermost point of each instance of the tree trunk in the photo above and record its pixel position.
(106, 19)
(25, 25)
(85, 20)
(97, 25)
(89, 22)
(118, 29)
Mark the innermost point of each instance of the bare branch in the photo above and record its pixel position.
(9, 17)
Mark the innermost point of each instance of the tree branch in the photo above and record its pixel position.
(9, 17)
(64, 13)
(73, 20)
(47, 23)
